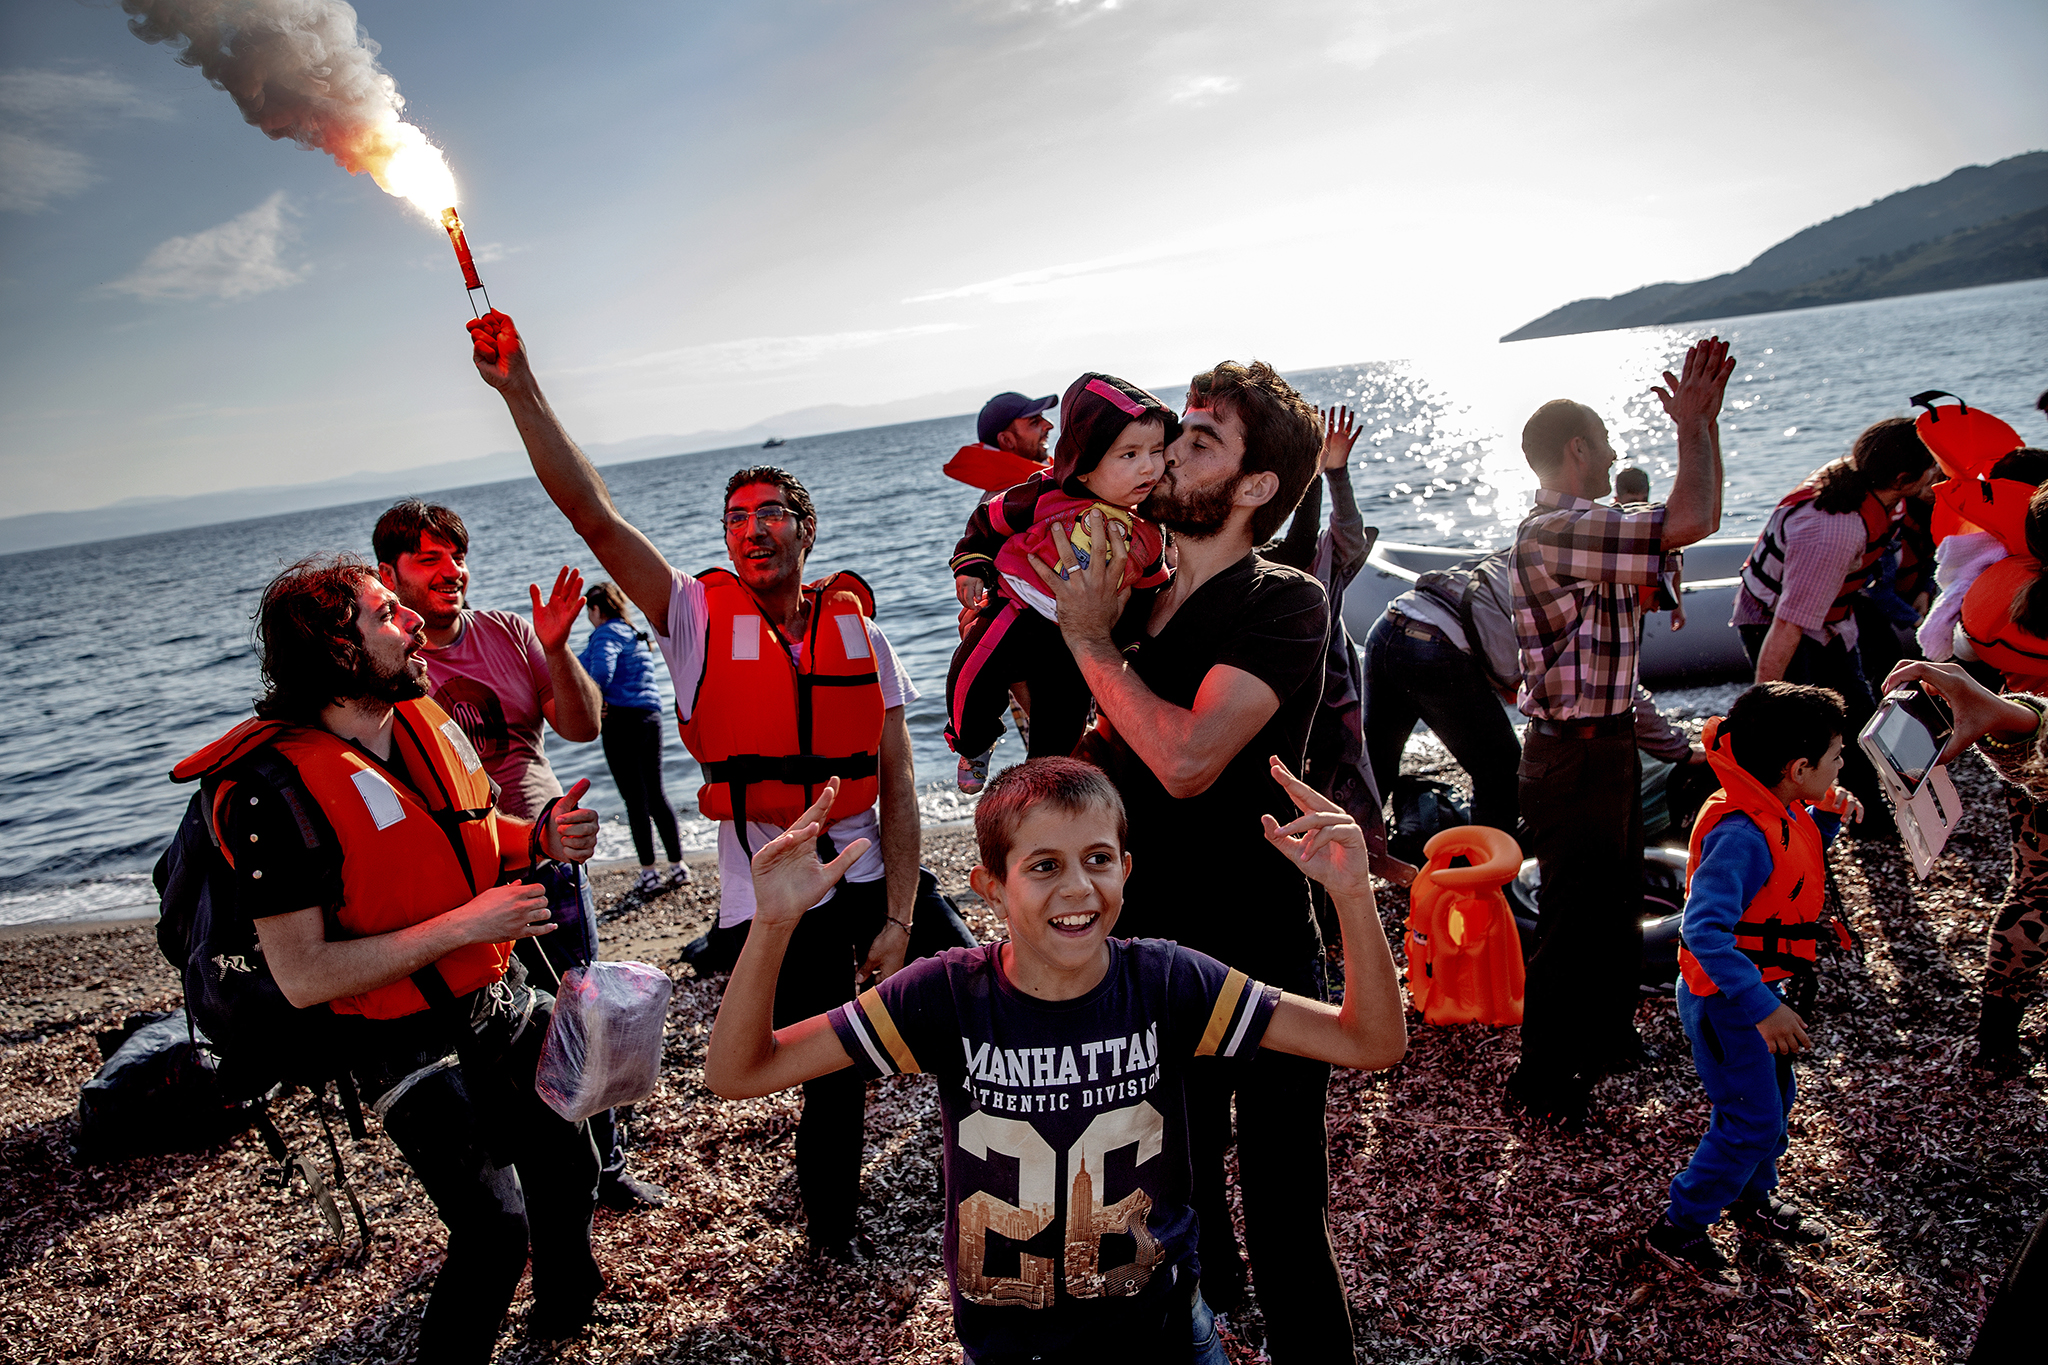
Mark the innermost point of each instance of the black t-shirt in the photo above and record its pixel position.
(1201, 869)
(1068, 1222)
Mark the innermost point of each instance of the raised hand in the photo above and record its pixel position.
(1340, 433)
(499, 354)
(553, 619)
(570, 835)
(1325, 843)
(1696, 394)
(788, 878)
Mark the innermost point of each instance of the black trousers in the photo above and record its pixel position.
(632, 750)
(1283, 1165)
(506, 1173)
(1582, 819)
(1416, 674)
(1836, 666)
(817, 974)
(1009, 644)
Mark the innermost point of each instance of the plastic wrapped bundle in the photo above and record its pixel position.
(603, 1047)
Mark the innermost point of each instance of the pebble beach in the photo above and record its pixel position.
(1466, 1237)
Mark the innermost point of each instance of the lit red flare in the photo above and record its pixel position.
(452, 220)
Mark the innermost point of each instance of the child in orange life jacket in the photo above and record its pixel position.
(1755, 884)
(1111, 451)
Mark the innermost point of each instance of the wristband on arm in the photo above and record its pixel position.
(536, 852)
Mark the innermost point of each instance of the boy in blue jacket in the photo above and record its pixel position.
(1756, 882)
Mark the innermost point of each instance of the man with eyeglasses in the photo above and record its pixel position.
(780, 686)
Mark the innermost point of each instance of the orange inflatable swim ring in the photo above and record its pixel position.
(1464, 952)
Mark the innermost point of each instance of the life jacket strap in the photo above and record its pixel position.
(797, 770)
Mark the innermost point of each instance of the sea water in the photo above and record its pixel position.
(123, 656)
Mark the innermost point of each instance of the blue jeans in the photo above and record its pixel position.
(1415, 673)
(1752, 1090)
(1207, 1347)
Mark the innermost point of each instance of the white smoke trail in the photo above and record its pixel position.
(304, 70)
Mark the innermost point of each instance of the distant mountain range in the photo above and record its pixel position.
(146, 516)
(1980, 225)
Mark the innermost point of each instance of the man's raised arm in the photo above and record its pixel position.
(567, 473)
(1693, 402)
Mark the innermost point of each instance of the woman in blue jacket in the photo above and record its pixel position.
(618, 660)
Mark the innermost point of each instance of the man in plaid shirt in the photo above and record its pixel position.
(1579, 567)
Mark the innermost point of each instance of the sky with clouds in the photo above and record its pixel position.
(704, 214)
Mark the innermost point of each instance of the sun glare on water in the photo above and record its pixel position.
(403, 163)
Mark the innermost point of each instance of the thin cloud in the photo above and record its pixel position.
(36, 109)
(1203, 89)
(240, 258)
(34, 171)
(757, 355)
(65, 96)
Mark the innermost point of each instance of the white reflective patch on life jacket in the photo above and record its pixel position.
(459, 742)
(853, 636)
(746, 637)
(385, 807)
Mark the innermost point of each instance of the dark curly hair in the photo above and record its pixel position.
(306, 632)
(1282, 433)
(1885, 453)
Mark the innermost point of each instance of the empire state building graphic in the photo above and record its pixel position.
(1088, 1223)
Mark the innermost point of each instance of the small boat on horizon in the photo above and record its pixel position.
(772, 442)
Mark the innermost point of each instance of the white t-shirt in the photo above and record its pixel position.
(683, 648)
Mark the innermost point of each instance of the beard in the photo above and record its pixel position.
(375, 685)
(1197, 513)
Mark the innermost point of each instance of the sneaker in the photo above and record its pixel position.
(624, 1193)
(1779, 1221)
(649, 883)
(973, 772)
(678, 875)
(1684, 1246)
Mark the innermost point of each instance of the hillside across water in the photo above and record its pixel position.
(1980, 225)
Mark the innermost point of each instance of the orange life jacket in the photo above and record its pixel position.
(1964, 443)
(1780, 929)
(405, 858)
(991, 468)
(1763, 573)
(1464, 952)
(769, 731)
(1987, 620)
(1980, 504)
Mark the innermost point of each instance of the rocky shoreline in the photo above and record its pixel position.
(1465, 1236)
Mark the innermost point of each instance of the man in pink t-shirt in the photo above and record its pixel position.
(500, 676)
(497, 674)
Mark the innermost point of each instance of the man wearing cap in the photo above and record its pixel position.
(1010, 448)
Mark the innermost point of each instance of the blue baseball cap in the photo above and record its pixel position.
(1005, 408)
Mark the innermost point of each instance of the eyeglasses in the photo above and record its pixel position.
(772, 515)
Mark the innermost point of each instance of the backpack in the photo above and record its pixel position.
(1482, 593)
(260, 1039)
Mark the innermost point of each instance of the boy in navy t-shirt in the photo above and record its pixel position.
(1061, 1053)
